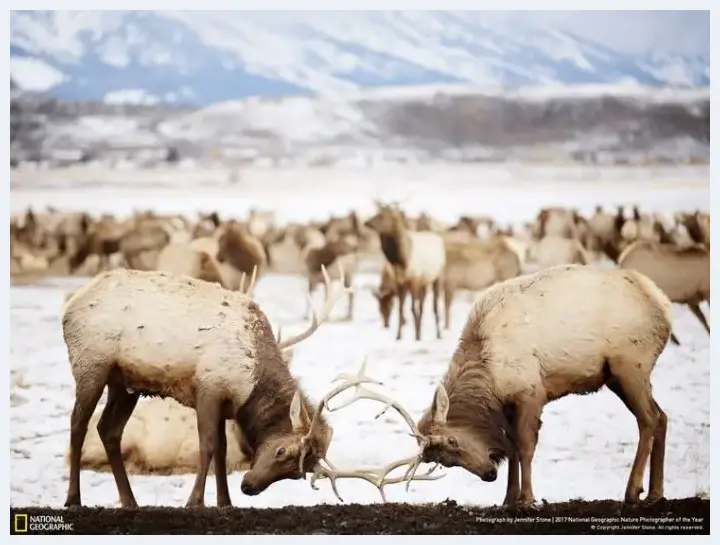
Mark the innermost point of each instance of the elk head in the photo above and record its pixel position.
(457, 445)
(385, 298)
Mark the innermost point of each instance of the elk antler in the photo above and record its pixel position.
(350, 380)
(379, 476)
(251, 285)
(330, 301)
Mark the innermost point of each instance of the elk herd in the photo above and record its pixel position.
(565, 303)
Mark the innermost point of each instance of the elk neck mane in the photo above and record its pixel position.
(267, 411)
(474, 403)
(395, 243)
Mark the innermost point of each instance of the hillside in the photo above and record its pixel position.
(206, 57)
(457, 123)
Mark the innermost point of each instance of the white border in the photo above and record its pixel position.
(321, 5)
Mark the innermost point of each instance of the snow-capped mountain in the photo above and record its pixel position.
(206, 57)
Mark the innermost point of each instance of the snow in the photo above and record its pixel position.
(32, 74)
(130, 96)
(445, 191)
(587, 443)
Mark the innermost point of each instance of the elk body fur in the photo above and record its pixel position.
(554, 250)
(528, 341)
(418, 258)
(475, 266)
(181, 259)
(682, 273)
(157, 334)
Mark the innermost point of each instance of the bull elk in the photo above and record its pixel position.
(217, 355)
(537, 338)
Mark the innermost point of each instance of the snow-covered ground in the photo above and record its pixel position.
(508, 192)
(586, 444)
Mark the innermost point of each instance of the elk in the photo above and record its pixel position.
(682, 273)
(475, 266)
(537, 338)
(385, 293)
(240, 249)
(334, 255)
(418, 258)
(217, 355)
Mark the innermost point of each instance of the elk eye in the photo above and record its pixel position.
(280, 452)
(452, 442)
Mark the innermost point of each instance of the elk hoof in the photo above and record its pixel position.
(73, 502)
(655, 498)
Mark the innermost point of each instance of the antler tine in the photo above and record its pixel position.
(376, 478)
(349, 381)
(363, 393)
(242, 283)
(330, 301)
(253, 279)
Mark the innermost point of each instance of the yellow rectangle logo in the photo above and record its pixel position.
(20, 523)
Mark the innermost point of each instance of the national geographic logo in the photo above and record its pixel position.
(23, 523)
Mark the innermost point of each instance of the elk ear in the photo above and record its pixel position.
(440, 405)
(296, 412)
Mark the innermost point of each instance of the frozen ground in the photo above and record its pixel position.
(586, 444)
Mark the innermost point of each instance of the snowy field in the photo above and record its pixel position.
(586, 443)
(509, 192)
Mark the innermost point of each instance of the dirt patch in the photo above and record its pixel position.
(686, 516)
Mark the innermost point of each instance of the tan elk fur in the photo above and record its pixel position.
(475, 266)
(534, 339)
(683, 273)
(180, 258)
(554, 250)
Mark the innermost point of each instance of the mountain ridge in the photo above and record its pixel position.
(201, 58)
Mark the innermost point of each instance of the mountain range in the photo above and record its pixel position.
(201, 58)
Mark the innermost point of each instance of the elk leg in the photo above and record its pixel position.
(208, 414)
(311, 291)
(220, 459)
(351, 299)
(657, 457)
(697, 311)
(512, 493)
(88, 391)
(418, 305)
(528, 426)
(436, 287)
(639, 401)
(401, 293)
(674, 339)
(119, 407)
(448, 297)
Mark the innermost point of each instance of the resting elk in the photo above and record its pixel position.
(155, 334)
(528, 341)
